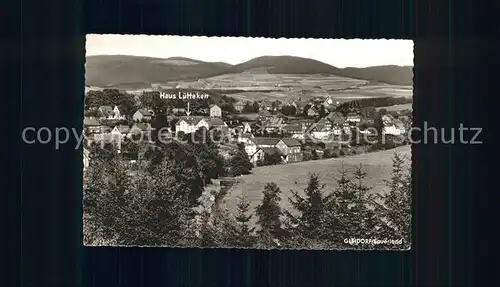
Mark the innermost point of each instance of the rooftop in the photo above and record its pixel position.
(265, 141)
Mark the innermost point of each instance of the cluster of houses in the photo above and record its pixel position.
(270, 120)
(300, 105)
(117, 113)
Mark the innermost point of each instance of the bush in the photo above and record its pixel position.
(327, 153)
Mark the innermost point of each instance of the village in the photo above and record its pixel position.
(272, 132)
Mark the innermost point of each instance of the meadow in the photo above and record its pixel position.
(396, 108)
(377, 165)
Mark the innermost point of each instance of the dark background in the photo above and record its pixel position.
(44, 56)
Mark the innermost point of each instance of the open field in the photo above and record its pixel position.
(262, 80)
(395, 108)
(378, 166)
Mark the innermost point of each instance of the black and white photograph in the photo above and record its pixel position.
(234, 142)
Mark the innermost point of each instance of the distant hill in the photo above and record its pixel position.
(108, 70)
(395, 75)
(285, 65)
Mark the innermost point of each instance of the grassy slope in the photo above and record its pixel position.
(378, 166)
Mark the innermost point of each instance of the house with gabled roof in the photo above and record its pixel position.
(294, 130)
(91, 125)
(247, 127)
(265, 105)
(274, 123)
(244, 137)
(215, 122)
(190, 124)
(142, 115)
(329, 102)
(265, 141)
(336, 118)
(261, 153)
(312, 112)
(121, 130)
(215, 111)
(393, 127)
(240, 105)
(291, 149)
(304, 123)
(106, 112)
(119, 113)
(218, 124)
(265, 115)
(260, 142)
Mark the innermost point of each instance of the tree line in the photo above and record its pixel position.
(163, 203)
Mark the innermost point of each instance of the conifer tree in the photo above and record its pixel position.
(338, 205)
(165, 202)
(243, 235)
(363, 209)
(396, 207)
(111, 192)
(311, 208)
(269, 212)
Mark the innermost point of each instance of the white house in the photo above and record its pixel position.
(189, 125)
(247, 128)
(390, 129)
(192, 124)
(353, 118)
(250, 147)
(120, 131)
(142, 115)
(395, 128)
(119, 113)
(244, 137)
(215, 111)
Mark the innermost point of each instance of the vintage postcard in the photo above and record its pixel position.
(233, 142)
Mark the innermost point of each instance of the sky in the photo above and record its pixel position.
(235, 50)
